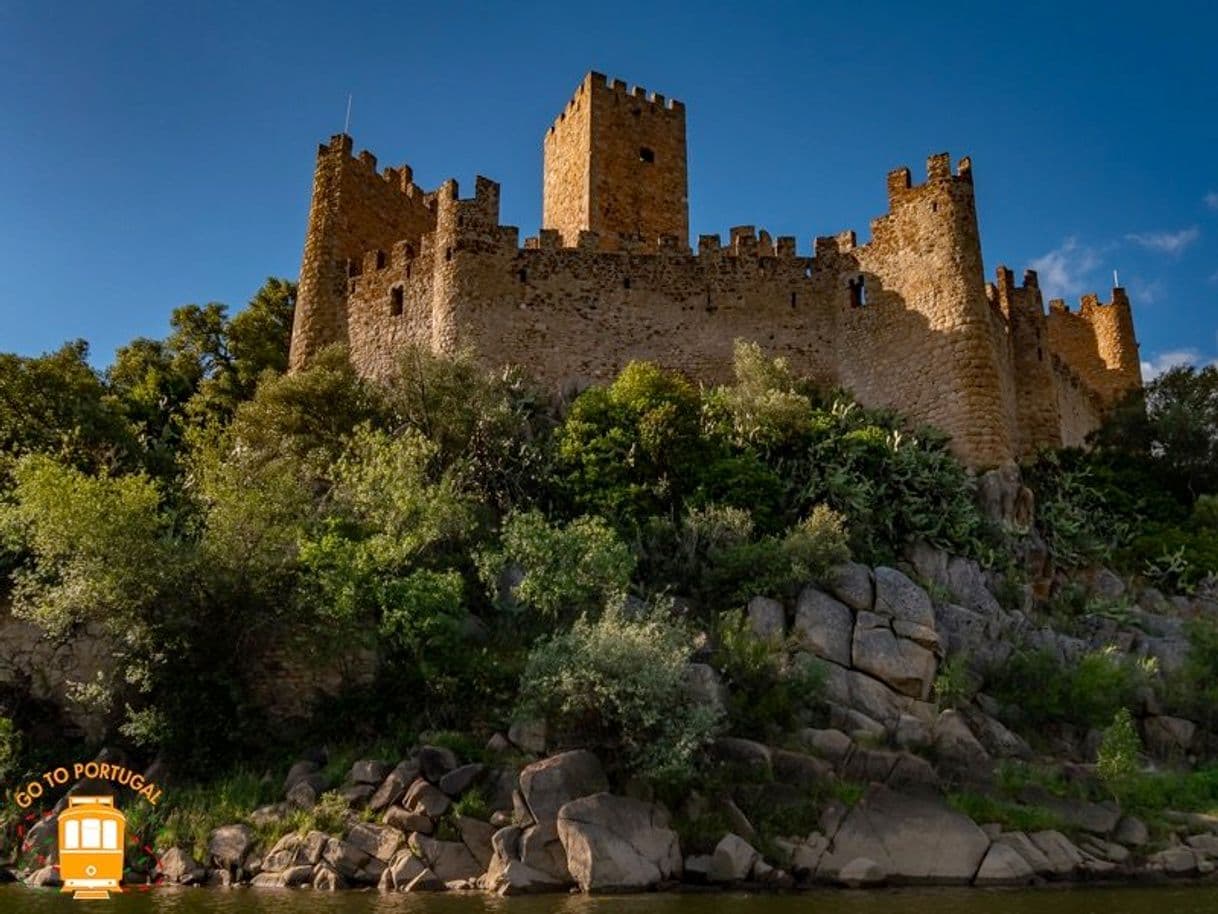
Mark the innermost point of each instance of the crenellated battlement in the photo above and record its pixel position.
(905, 319)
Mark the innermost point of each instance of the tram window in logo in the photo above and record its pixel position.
(91, 834)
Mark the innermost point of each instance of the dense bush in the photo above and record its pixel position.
(769, 691)
(565, 571)
(618, 684)
(1037, 689)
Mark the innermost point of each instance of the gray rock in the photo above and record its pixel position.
(823, 626)
(912, 838)
(541, 848)
(1131, 831)
(1168, 737)
(400, 872)
(1003, 865)
(897, 597)
(448, 860)
(904, 665)
(744, 752)
(435, 762)
(831, 745)
(287, 852)
(961, 630)
(967, 585)
(368, 771)
(407, 821)
(298, 876)
(459, 780)
(228, 846)
(346, 859)
(177, 867)
(1032, 855)
(426, 881)
(997, 739)
(858, 691)
(852, 584)
(732, 860)
(697, 868)
(394, 786)
(705, 686)
(618, 844)
(427, 799)
(327, 879)
(804, 771)
(376, 840)
(1174, 861)
(271, 880)
(957, 747)
(1061, 856)
(861, 872)
(1107, 585)
(477, 835)
(911, 732)
(529, 735)
(548, 784)
(300, 771)
(767, 619)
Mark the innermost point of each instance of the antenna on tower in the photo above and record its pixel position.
(347, 122)
(1116, 280)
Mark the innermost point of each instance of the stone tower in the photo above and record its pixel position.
(615, 164)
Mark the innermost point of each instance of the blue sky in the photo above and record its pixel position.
(161, 153)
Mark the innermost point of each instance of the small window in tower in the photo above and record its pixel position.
(380, 260)
(524, 275)
(647, 154)
(1040, 353)
(858, 293)
(626, 283)
(395, 301)
(792, 299)
(448, 253)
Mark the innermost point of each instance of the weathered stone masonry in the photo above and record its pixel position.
(906, 320)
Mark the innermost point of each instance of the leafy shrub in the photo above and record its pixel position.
(767, 689)
(954, 686)
(618, 684)
(628, 451)
(1011, 816)
(1036, 688)
(567, 570)
(1117, 759)
(1074, 514)
(10, 750)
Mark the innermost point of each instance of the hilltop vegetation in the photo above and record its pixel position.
(501, 551)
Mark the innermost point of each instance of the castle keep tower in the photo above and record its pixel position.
(615, 164)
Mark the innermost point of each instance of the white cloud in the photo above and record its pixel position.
(1145, 292)
(1063, 271)
(1211, 199)
(1166, 242)
(1167, 360)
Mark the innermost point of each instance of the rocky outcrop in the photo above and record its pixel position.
(913, 839)
(617, 844)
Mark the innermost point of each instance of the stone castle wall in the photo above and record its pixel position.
(905, 321)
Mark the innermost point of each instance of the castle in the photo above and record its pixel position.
(906, 320)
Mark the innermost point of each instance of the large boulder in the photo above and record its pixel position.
(449, 860)
(508, 874)
(914, 839)
(228, 846)
(394, 786)
(824, 626)
(1003, 865)
(851, 583)
(767, 619)
(733, 859)
(901, 663)
(529, 735)
(177, 867)
(897, 597)
(958, 750)
(705, 686)
(617, 844)
(548, 784)
(1062, 857)
(376, 841)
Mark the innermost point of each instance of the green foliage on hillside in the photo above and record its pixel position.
(208, 511)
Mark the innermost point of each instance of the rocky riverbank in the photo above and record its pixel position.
(890, 786)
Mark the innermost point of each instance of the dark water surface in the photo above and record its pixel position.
(1162, 900)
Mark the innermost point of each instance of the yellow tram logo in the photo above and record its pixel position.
(91, 835)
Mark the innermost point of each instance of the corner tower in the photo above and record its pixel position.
(615, 163)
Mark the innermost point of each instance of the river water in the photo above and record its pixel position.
(1192, 899)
